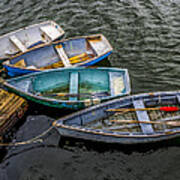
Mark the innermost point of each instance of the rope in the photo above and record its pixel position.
(36, 139)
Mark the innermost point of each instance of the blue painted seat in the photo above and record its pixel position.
(73, 89)
(143, 116)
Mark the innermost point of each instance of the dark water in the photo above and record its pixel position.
(145, 36)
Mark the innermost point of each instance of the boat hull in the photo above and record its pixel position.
(74, 125)
(113, 139)
(72, 52)
(29, 37)
(53, 104)
(92, 86)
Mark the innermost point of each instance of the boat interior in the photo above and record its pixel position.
(21, 40)
(75, 85)
(129, 122)
(61, 54)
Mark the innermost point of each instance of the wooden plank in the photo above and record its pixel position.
(51, 32)
(12, 107)
(143, 116)
(18, 43)
(5, 101)
(74, 82)
(99, 45)
(63, 55)
(116, 83)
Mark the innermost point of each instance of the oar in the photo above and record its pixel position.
(170, 123)
(165, 108)
(73, 95)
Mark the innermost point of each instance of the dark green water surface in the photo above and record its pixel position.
(145, 35)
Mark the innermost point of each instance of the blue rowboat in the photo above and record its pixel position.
(72, 88)
(23, 39)
(127, 120)
(73, 52)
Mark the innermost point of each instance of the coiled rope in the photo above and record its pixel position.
(36, 139)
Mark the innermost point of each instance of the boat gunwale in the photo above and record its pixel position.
(31, 26)
(114, 134)
(39, 70)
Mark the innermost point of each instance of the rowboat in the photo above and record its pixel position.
(25, 38)
(12, 108)
(73, 52)
(71, 88)
(142, 118)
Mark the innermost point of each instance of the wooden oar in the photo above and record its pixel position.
(74, 60)
(165, 108)
(73, 95)
(170, 123)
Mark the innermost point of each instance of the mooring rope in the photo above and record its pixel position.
(36, 139)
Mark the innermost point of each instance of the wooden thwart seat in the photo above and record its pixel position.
(51, 32)
(18, 43)
(63, 55)
(143, 116)
(74, 76)
(116, 83)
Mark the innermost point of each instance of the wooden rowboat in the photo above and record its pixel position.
(73, 52)
(12, 108)
(143, 118)
(71, 88)
(25, 38)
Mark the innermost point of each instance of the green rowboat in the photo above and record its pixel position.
(72, 88)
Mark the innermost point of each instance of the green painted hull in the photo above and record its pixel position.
(53, 104)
